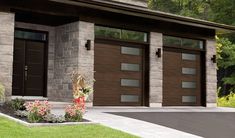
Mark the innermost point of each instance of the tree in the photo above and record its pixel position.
(226, 62)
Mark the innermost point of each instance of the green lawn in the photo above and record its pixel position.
(10, 129)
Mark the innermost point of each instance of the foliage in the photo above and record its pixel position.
(11, 129)
(74, 113)
(21, 113)
(51, 118)
(227, 101)
(2, 92)
(81, 84)
(37, 110)
(226, 59)
(17, 104)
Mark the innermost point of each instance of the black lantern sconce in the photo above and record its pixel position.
(88, 45)
(159, 52)
(213, 59)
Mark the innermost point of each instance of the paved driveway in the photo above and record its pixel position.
(204, 124)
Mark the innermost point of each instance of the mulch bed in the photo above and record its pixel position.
(6, 109)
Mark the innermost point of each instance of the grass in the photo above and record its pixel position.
(11, 129)
(227, 101)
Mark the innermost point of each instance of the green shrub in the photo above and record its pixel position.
(2, 92)
(17, 104)
(227, 101)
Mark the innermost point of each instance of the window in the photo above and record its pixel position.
(188, 85)
(130, 51)
(130, 82)
(108, 32)
(189, 99)
(189, 71)
(182, 42)
(130, 67)
(186, 56)
(129, 98)
(30, 35)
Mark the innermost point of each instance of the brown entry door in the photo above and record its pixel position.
(118, 75)
(181, 77)
(28, 68)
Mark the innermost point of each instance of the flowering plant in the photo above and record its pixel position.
(75, 112)
(81, 85)
(37, 110)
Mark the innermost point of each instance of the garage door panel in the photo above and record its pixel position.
(118, 75)
(181, 78)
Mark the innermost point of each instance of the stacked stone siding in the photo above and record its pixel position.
(7, 22)
(66, 60)
(85, 57)
(156, 65)
(211, 77)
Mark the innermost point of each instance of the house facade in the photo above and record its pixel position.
(138, 57)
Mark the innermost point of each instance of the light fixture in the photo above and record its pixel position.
(159, 52)
(88, 45)
(213, 59)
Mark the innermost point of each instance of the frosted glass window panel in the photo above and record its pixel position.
(130, 67)
(186, 56)
(189, 99)
(129, 98)
(130, 82)
(188, 85)
(189, 71)
(130, 51)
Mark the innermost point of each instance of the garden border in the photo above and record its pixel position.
(44, 124)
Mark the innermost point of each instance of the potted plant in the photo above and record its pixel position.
(81, 86)
(2, 94)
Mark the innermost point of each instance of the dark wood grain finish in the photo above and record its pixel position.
(28, 68)
(173, 77)
(108, 75)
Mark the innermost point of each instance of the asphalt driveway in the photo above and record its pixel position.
(204, 124)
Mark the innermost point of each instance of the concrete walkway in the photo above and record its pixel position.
(142, 128)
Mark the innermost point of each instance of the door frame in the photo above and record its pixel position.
(202, 54)
(46, 43)
(145, 60)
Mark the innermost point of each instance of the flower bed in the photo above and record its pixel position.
(40, 112)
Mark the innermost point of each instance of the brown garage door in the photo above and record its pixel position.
(181, 77)
(118, 74)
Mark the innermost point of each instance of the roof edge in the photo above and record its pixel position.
(148, 13)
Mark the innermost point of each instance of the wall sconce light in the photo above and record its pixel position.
(159, 52)
(213, 59)
(88, 45)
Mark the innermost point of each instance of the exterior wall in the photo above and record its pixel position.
(142, 3)
(51, 50)
(66, 60)
(85, 57)
(211, 77)
(7, 24)
(66, 52)
(156, 72)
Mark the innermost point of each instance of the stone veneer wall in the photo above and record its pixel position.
(211, 76)
(66, 60)
(7, 24)
(51, 51)
(86, 58)
(156, 72)
(70, 55)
